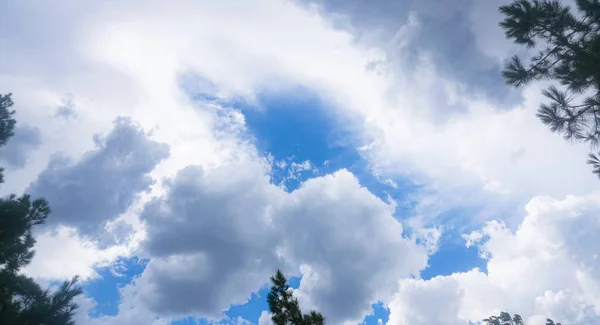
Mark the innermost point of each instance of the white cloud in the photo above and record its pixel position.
(210, 240)
(501, 152)
(123, 58)
(369, 246)
(62, 254)
(549, 267)
(142, 49)
(105, 181)
(219, 234)
(265, 318)
(91, 203)
(130, 311)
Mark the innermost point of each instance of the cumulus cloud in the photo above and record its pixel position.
(549, 267)
(63, 254)
(265, 318)
(445, 32)
(422, 102)
(219, 234)
(88, 197)
(369, 246)
(104, 182)
(211, 240)
(424, 123)
(414, 122)
(130, 311)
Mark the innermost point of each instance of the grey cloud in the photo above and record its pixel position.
(445, 34)
(65, 112)
(352, 245)
(117, 233)
(104, 182)
(218, 235)
(210, 240)
(67, 109)
(16, 152)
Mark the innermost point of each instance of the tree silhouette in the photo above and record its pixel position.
(506, 319)
(568, 51)
(22, 301)
(284, 307)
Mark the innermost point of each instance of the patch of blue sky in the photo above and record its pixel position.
(297, 129)
(252, 310)
(294, 127)
(452, 257)
(380, 312)
(249, 311)
(105, 288)
(257, 304)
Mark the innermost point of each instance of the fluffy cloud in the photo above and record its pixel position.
(219, 234)
(130, 311)
(211, 240)
(265, 318)
(104, 182)
(444, 32)
(425, 123)
(549, 267)
(414, 122)
(422, 104)
(87, 197)
(369, 246)
(62, 254)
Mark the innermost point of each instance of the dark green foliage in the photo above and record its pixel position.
(595, 162)
(31, 305)
(285, 308)
(17, 216)
(22, 301)
(7, 123)
(568, 46)
(506, 319)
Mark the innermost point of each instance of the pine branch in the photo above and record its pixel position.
(594, 160)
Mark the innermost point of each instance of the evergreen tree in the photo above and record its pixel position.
(568, 48)
(506, 319)
(7, 123)
(22, 301)
(285, 308)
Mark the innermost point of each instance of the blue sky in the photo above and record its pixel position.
(291, 127)
(369, 149)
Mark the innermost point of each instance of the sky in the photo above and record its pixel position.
(369, 149)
